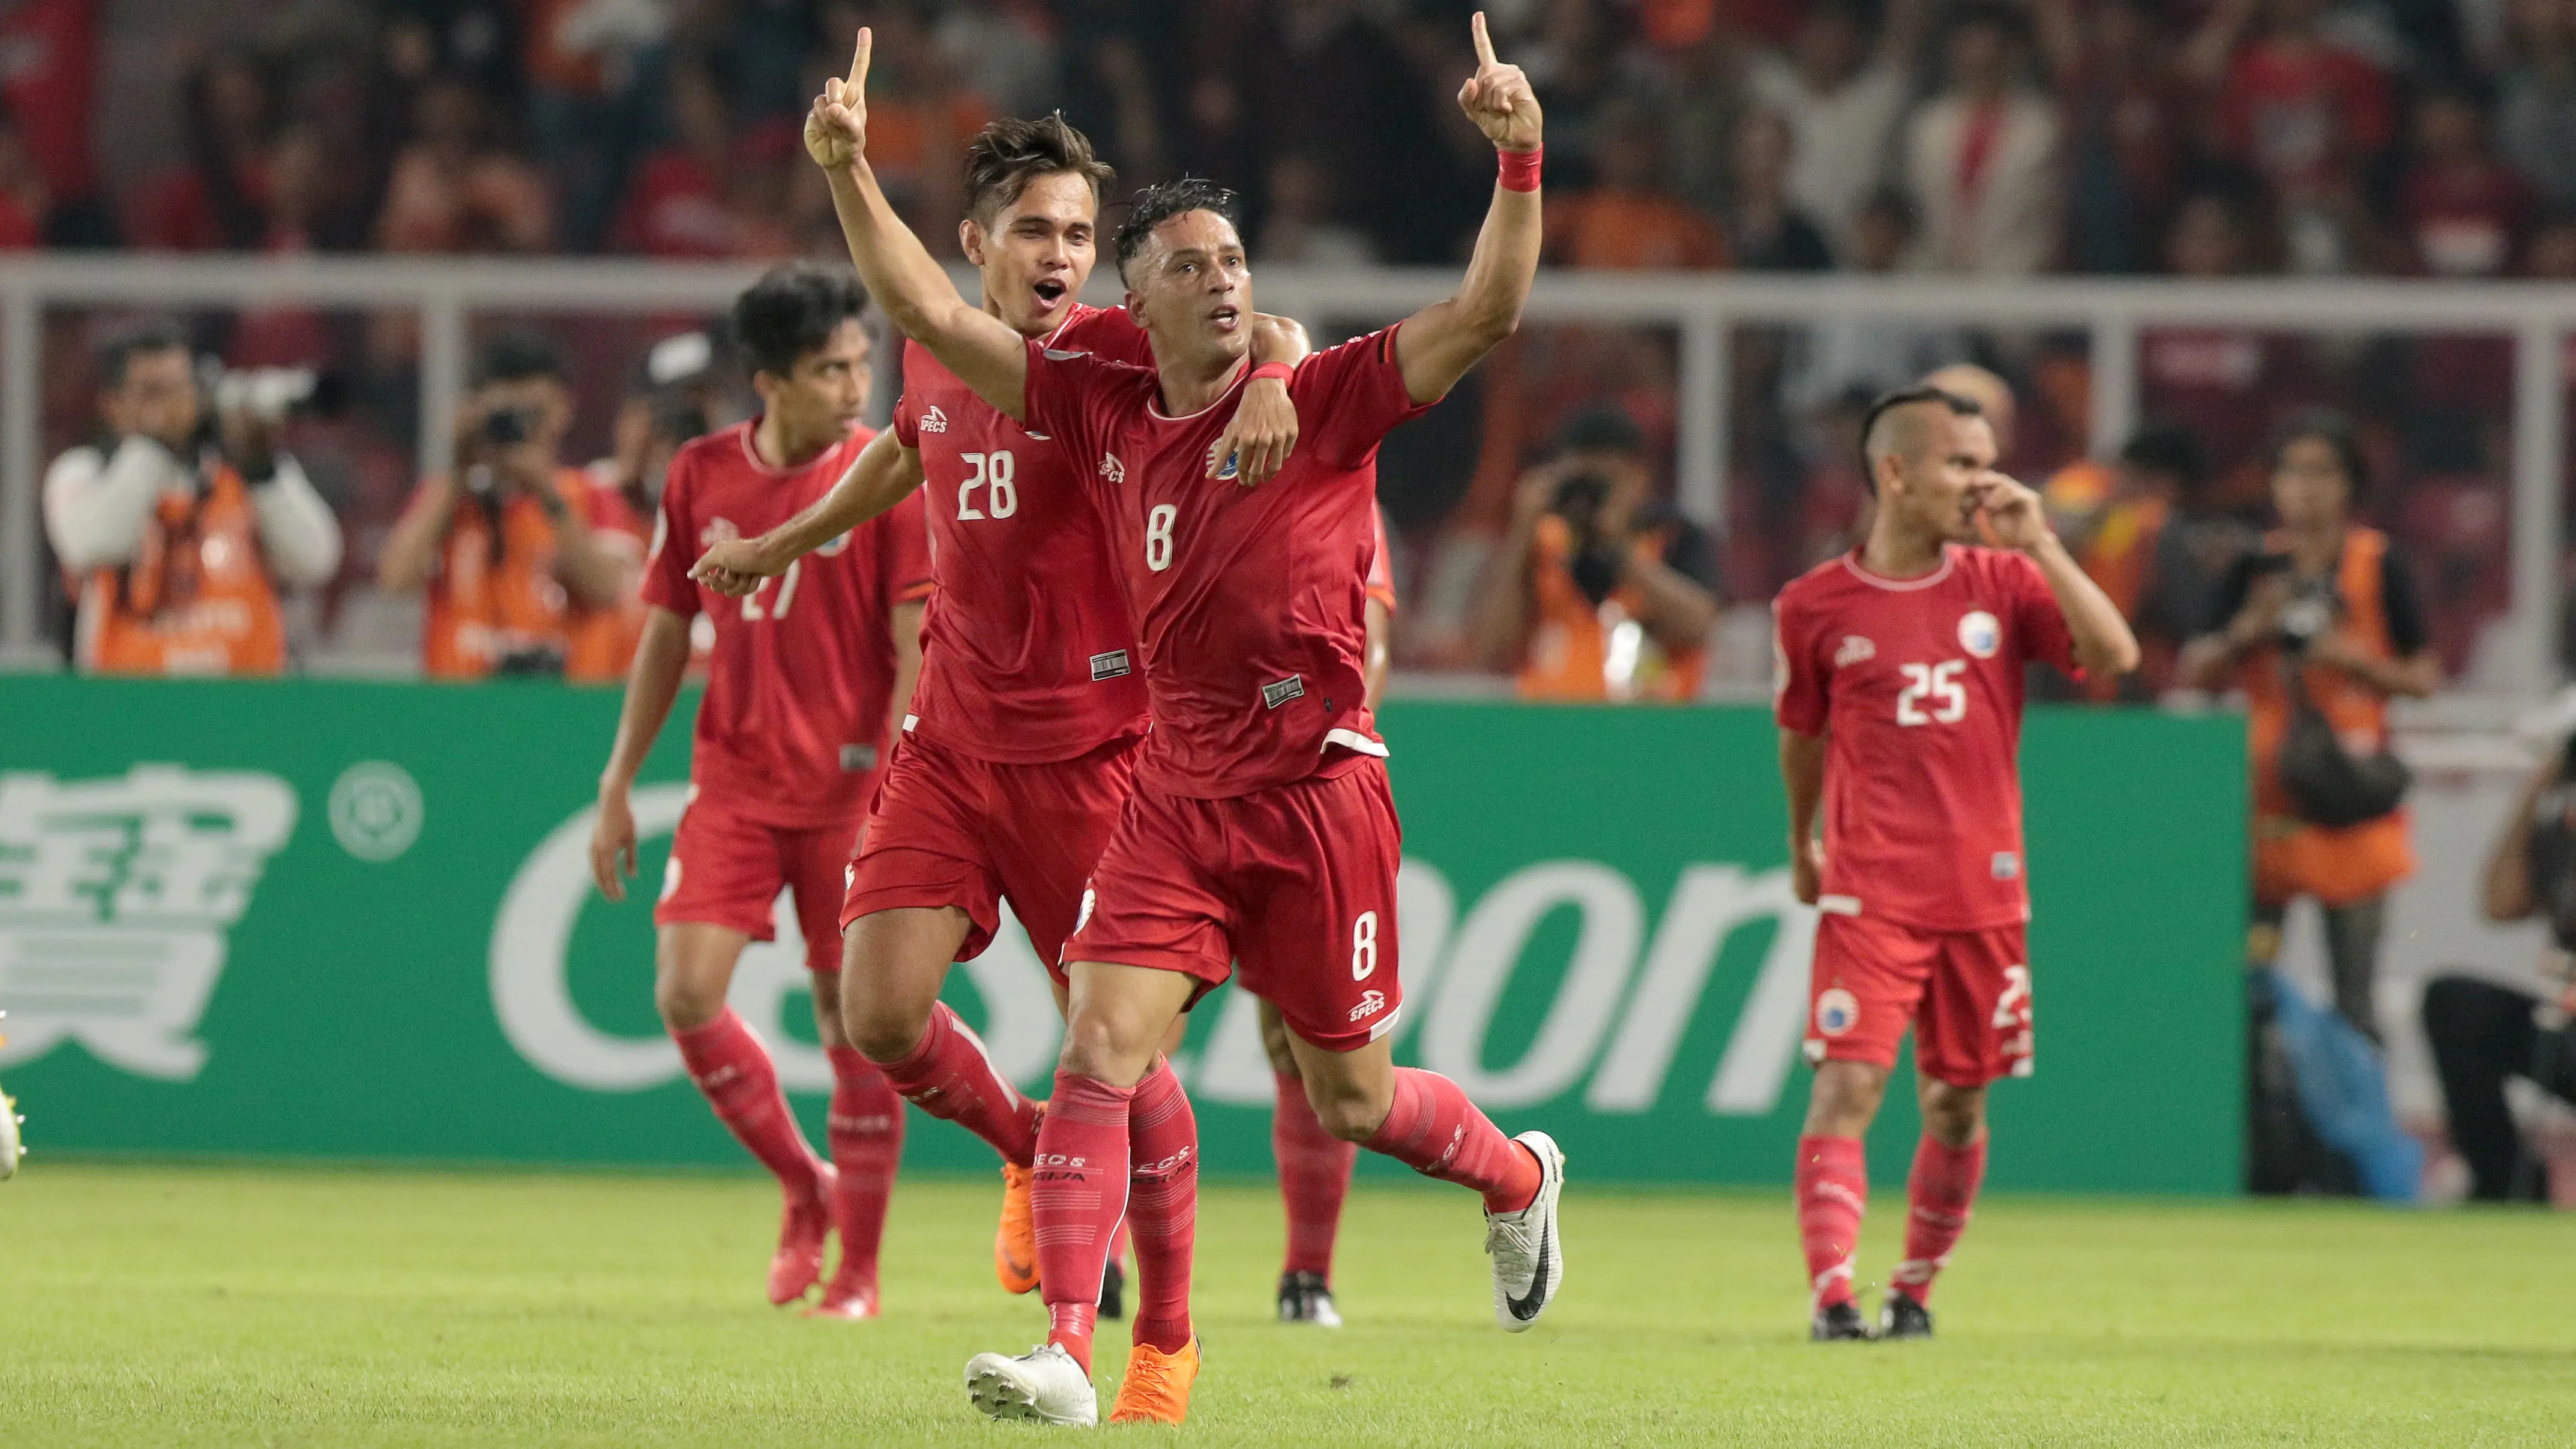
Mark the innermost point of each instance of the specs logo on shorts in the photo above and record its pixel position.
(934, 421)
(1112, 665)
(1837, 1011)
(858, 758)
(1279, 693)
(1979, 634)
(1371, 1003)
(1854, 650)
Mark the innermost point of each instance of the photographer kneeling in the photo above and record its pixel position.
(2484, 1033)
(2318, 629)
(176, 531)
(1599, 591)
(529, 568)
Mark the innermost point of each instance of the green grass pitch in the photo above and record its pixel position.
(144, 1304)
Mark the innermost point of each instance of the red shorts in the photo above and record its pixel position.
(1294, 884)
(726, 870)
(1967, 994)
(953, 830)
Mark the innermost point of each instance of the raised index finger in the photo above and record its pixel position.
(1484, 42)
(859, 59)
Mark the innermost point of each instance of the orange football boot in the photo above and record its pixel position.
(1157, 1387)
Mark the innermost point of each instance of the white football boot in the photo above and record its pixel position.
(1042, 1386)
(1529, 1262)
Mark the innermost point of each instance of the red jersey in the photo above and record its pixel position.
(1028, 655)
(1381, 572)
(1249, 601)
(794, 717)
(1918, 682)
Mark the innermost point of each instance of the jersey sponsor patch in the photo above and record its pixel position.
(1837, 1012)
(1112, 469)
(1280, 692)
(858, 758)
(1979, 634)
(1855, 649)
(1112, 665)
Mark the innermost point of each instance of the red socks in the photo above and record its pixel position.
(1314, 1176)
(1076, 1200)
(1436, 1131)
(1163, 1206)
(1833, 1192)
(949, 1077)
(734, 1071)
(1939, 1193)
(866, 1136)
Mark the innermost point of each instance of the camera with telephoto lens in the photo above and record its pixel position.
(2313, 607)
(504, 427)
(273, 394)
(1595, 563)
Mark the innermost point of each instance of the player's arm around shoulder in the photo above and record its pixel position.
(883, 475)
(1263, 431)
(2103, 643)
(1437, 345)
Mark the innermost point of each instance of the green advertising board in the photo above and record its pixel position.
(327, 919)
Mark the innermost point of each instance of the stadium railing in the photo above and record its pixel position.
(1700, 310)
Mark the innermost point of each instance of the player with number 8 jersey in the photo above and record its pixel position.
(1899, 700)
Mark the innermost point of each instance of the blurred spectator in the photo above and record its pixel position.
(1835, 359)
(2536, 121)
(1600, 591)
(1573, 62)
(2128, 524)
(176, 536)
(1299, 228)
(1842, 89)
(665, 407)
(49, 85)
(678, 206)
(2305, 113)
(594, 71)
(2324, 617)
(453, 190)
(1992, 395)
(2484, 1033)
(528, 569)
(1767, 232)
(1629, 220)
(1705, 103)
(218, 201)
(2465, 212)
(1001, 50)
(2126, 122)
(1981, 158)
(2224, 384)
(24, 201)
(921, 114)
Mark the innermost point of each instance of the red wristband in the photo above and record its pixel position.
(1520, 168)
(1279, 370)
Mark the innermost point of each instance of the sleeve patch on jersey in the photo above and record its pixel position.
(858, 759)
(1112, 665)
(1279, 693)
(1054, 354)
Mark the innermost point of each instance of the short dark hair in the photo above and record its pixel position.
(158, 334)
(1008, 154)
(2165, 448)
(1905, 397)
(2324, 425)
(792, 311)
(1601, 428)
(516, 356)
(1160, 203)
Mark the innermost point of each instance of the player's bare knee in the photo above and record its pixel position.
(1100, 1047)
(1845, 1099)
(686, 1003)
(1953, 1116)
(883, 1031)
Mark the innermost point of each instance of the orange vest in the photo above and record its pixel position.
(195, 600)
(486, 605)
(2121, 557)
(1581, 651)
(2291, 857)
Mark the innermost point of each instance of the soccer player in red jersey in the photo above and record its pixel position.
(786, 760)
(1014, 758)
(1900, 691)
(1260, 829)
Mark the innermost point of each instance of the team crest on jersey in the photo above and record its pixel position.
(1979, 634)
(1112, 469)
(1855, 649)
(934, 421)
(718, 530)
(1837, 1011)
(1231, 467)
(1371, 1003)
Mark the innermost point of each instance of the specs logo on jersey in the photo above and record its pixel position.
(1112, 469)
(934, 421)
(1837, 1011)
(1279, 693)
(1371, 1003)
(718, 530)
(1112, 665)
(1979, 634)
(1855, 649)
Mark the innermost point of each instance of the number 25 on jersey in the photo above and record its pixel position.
(1938, 683)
